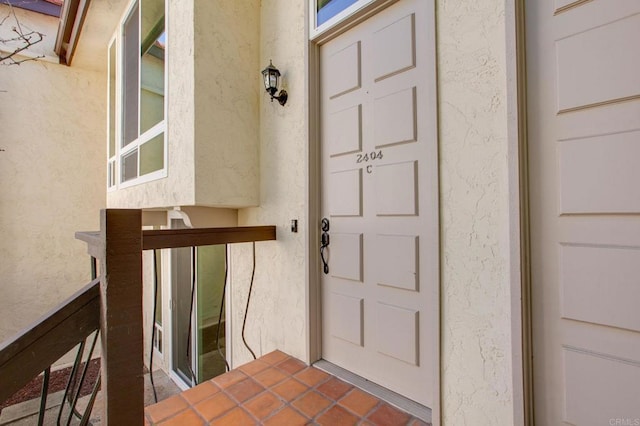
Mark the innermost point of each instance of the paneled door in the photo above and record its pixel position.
(583, 69)
(380, 302)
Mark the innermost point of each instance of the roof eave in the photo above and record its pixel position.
(72, 20)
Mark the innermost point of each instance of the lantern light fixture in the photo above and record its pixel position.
(271, 79)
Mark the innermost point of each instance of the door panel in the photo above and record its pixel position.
(583, 68)
(395, 118)
(343, 71)
(346, 197)
(600, 174)
(601, 53)
(396, 51)
(380, 192)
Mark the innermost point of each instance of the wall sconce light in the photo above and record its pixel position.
(271, 77)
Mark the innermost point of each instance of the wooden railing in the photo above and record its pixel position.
(34, 349)
(112, 304)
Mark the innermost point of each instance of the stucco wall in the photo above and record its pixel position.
(476, 318)
(276, 317)
(226, 102)
(52, 180)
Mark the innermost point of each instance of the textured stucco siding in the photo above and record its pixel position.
(277, 314)
(476, 319)
(52, 180)
(226, 102)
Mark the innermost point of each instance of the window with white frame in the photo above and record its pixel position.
(111, 130)
(327, 9)
(136, 132)
(328, 13)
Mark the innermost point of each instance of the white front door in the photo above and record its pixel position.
(583, 69)
(380, 302)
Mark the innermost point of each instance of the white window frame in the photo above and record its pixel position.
(317, 30)
(112, 161)
(157, 129)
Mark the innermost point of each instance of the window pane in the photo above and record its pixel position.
(112, 99)
(129, 166)
(152, 22)
(152, 87)
(327, 9)
(152, 47)
(152, 155)
(210, 272)
(131, 58)
(181, 313)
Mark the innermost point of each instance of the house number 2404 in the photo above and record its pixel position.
(373, 155)
(365, 158)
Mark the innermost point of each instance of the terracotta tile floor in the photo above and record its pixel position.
(276, 389)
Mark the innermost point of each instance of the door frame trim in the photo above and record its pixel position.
(521, 318)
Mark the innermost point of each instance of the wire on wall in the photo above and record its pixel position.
(193, 292)
(246, 311)
(153, 323)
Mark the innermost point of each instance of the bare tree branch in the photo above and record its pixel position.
(5, 18)
(23, 40)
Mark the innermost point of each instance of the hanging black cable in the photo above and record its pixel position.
(246, 311)
(224, 289)
(193, 292)
(153, 323)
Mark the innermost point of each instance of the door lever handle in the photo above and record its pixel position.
(324, 243)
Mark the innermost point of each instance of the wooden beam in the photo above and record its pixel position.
(173, 238)
(121, 317)
(67, 18)
(38, 346)
(77, 29)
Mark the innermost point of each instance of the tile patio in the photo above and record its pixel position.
(276, 389)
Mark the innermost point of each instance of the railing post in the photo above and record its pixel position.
(121, 317)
